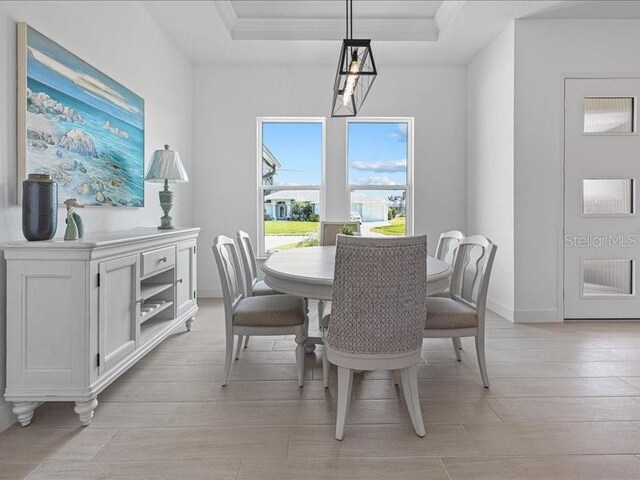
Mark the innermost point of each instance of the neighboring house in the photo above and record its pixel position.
(277, 205)
(370, 208)
(270, 165)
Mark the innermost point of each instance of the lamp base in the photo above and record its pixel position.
(166, 202)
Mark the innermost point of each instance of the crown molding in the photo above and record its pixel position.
(446, 12)
(318, 29)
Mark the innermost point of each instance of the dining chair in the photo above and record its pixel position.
(253, 287)
(463, 314)
(330, 230)
(260, 315)
(328, 233)
(446, 251)
(377, 315)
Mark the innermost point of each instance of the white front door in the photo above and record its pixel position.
(601, 225)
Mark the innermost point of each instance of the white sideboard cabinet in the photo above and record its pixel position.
(80, 313)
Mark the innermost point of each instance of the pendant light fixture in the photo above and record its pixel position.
(356, 72)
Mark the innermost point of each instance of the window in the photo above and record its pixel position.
(290, 179)
(608, 196)
(609, 115)
(379, 162)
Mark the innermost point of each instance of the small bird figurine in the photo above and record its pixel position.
(75, 225)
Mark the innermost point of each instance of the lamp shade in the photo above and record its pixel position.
(166, 165)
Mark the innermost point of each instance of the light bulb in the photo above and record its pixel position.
(352, 79)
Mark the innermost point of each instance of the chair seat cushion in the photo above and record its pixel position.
(270, 311)
(447, 313)
(260, 288)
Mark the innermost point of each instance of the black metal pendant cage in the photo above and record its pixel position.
(354, 78)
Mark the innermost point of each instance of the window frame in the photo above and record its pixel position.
(261, 251)
(408, 186)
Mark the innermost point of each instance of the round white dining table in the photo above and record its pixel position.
(308, 272)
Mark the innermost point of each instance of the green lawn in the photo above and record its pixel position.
(283, 227)
(397, 227)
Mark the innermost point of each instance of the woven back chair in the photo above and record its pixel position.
(378, 314)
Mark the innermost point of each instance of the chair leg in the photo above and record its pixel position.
(300, 350)
(246, 341)
(326, 368)
(345, 382)
(457, 346)
(228, 358)
(321, 306)
(410, 389)
(238, 347)
(481, 361)
(396, 378)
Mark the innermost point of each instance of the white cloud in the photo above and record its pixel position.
(386, 166)
(375, 180)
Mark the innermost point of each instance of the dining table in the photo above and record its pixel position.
(308, 272)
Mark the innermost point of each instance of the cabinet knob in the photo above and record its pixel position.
(163, 259)
(179, 280)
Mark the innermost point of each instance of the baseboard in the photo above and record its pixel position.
(550, 315)
(7, 418)
(501, 309)
(209, 293)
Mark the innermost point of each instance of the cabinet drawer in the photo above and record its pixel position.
(157, 260)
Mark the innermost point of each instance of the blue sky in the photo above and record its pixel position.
(377, 152)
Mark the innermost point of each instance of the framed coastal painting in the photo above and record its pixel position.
(77, 124)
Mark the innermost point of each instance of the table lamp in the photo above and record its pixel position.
(166, 167)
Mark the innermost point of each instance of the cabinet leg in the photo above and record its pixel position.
(24, 411)
(85, 411)
(189, 324)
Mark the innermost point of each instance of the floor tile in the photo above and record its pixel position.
(585, 438)
(379, 441)
(344, 469)
(605, 369)
(308, 412)
(163, 444)
(129, 391)
(200, 469)
(590, 409)
(34, 444)
(16, 471)
(562, 387)
(582, 467)
(270, 390)
(107, 415)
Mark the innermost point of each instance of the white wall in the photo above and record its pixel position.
(122, 40)
(231, 97)
(546, 51)
(490, 117)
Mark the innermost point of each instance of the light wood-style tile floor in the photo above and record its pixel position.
(564, 403)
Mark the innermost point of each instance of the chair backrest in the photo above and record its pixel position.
(226, 255)
(379, 294)
(447, 245)
(248, 262)
(471, 272)
(330, 230)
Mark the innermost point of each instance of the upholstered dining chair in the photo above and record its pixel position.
(328, 234)
(377, 315)
(260, 315)
(253, 287)
(463, 313)
(446, 251)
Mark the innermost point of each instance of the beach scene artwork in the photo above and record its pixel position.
(80, 126)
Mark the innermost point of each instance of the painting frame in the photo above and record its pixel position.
(124, 175)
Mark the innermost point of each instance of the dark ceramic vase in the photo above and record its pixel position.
(39, 207)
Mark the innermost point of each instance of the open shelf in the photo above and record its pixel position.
(149, 329)
(154, 311)
(150, 289)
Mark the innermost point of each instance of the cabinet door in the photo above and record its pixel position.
(185, 276)
(118, 328)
